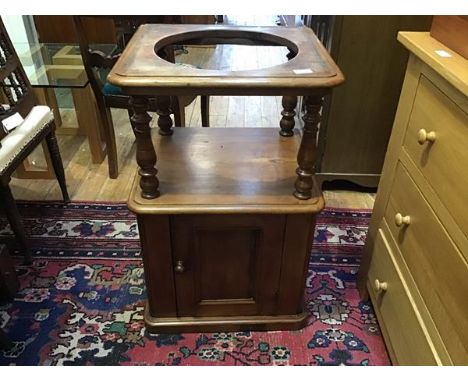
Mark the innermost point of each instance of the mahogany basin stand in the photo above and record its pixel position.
(227, 220)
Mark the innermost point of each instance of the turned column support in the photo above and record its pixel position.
(145, 153)
(289, 105)
(307, 154)
(164, 103)
(163, 109)
(287, 121)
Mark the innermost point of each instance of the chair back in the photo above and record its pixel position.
(16, 94)
(95, 61)
(97, 64)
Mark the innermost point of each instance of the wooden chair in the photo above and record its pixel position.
(97, 65)
(17, 97)
(9, 285)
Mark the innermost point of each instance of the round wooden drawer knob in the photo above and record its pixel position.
(380, 286)
(424, 136)
(180, 268)
(402, 220)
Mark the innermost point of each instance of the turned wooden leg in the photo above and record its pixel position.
(308, 149)
(57, 164)
(287, 121)
(109, 136)
(164, 111)
(289, 104)
(205, 110)
(130, 113)
(5, 342)
(179, 112)
(15, 220)
(145, 155)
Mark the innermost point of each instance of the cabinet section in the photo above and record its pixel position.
(227, 265)
(226, 246)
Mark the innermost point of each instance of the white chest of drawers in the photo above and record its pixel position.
(415, 264)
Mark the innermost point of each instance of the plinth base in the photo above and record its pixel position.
(224, 324)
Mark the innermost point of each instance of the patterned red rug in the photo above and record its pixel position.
(81, 302)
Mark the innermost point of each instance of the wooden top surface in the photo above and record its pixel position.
(140, 67)
(225, 170)
(454, 68)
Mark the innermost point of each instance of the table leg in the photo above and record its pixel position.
(86, 114)
(145, 154)
(26, 170)
(287, 121)
(163, 109)
(308, 149)
(46, 96)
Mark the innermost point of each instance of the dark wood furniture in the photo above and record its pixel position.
(105, 30)
(452, 31)
(9, 285)
(198, 19)
(362, 110)
(226, 245)
(5, 342)
(227, 223)
(16, 96)
(61, 29)
(141, 71)
(97, 65)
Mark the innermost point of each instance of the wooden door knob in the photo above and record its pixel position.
(179, 268)
(424, 136)
(380, 286)
(402, 220)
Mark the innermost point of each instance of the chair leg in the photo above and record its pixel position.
(179, 112)
(57, 163)
(130, 114)
(15, 220)
(205, 111)
(105, 117)
(5, 342)
(111, 147)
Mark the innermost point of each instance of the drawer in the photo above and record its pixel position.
(406, 332)
(436, 265)
(443, 162)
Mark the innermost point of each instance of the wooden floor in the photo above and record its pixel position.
(90, 182)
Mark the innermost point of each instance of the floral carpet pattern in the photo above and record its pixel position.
(81, 302)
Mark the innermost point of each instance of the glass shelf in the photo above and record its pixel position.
(53, 65)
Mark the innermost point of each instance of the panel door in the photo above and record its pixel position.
(227, 265)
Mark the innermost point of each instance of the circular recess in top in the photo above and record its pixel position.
(250, 46)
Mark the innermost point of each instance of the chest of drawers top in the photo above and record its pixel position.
(447, 63)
